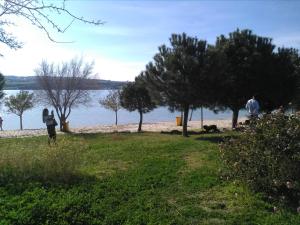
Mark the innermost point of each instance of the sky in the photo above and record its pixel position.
(133, 31)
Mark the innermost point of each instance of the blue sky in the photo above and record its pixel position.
(133, 31)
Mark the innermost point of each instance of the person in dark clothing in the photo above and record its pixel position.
(50, 123)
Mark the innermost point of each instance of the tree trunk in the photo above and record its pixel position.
(141, 121)
(201, 117)
(235, 116)
(191, 115)
(116, 118)
(21, 122)
(185, 121)
(62, 121)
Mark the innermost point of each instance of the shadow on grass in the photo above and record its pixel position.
(212, 139)
(217, 138)
(177, 132)
(95, 135)
(19, 185)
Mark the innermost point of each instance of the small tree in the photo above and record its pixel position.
(64, 86)
(112, 102)
(19, 103)
(135, 96)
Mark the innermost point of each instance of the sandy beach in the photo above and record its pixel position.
(152, 127)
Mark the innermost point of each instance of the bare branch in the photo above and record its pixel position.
(39, 14)
(64, 85)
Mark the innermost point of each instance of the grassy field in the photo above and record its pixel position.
(125, 179)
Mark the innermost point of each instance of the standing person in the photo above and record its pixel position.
(1, 121)
(253, 107)
(50, 123)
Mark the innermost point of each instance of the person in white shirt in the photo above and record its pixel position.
(253, 107)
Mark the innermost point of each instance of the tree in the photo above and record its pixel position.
(19, 103)
(282, 80)
(135, 96)
(39, 14)
(112, 102)
(249, 66)
(2, 83)
(296, 100)
(179, 75)
(64, 86)
(244, 56)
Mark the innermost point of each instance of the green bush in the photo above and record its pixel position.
(267, 157)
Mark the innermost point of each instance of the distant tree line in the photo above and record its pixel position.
(31, 83)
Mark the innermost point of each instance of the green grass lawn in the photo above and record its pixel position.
(125, 179)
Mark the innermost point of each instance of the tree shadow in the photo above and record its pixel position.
(18, 184)
(212, 139)
(177, 132)
(96, 135)
(217, 138)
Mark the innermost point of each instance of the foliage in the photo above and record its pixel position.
(295, 104)
(178, 74)
(279, 87)
(244, 58)
(19, 103)
(130, 179)
(267, 157)
(112, 102)
(135, 96)
(39, 14)
(63, 86)
(250, 66)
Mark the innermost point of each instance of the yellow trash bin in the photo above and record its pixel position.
(178, 121)
(66, 126)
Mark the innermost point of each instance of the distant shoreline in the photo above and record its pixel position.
(30, 83)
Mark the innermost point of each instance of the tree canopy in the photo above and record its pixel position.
(63, 86)
(250, 66)
(135, 96)
(112, 102)
(19, 103)
(178, 74)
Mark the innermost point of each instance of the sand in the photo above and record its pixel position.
(152, 127)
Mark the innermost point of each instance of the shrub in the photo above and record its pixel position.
(267, 157)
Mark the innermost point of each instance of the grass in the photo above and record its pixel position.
(125, 179)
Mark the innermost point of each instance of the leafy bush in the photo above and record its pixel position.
(267, 157)
(47, 163)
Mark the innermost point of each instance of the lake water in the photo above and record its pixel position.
(95, 114)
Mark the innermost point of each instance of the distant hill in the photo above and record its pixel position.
(30, 83)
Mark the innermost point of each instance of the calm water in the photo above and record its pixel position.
(95, 114)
